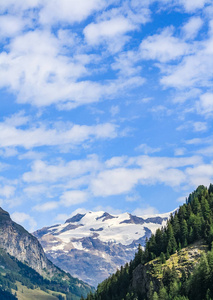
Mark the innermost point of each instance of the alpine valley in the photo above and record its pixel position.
(94, 245)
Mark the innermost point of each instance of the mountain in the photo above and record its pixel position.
(92, 246)
(24, 266)
(177, 262)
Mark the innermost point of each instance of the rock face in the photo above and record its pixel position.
(92, 246)
(24, 246)
(142, 278)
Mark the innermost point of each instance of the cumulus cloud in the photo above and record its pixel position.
(191, 6)
(7, 191)
(69, 11)
(192, 27)
(193, 71)
(13, 136)
(163, 47)
(144, 170)
(46, 206)
(44, 172)
(67, 199)
(24, 219)
(10, 26)
(73, 197)
(205, 105)
(96, 33)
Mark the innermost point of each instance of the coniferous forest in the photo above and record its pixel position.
(191, 223)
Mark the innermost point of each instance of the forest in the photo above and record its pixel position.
(192, 222)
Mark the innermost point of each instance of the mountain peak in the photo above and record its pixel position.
(75, 218)
(98, 240)
(4, 215)
(105, 216)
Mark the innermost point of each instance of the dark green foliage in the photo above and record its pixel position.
(6, 295)
(14, 270)
(192, 221)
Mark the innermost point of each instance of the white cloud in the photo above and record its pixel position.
(73, 197)
(51, 205)
(194, 71)
(32, 155)
(42, 172)
(115, 182)
(67, 199)
(181, 199)
(191, 6)
(180, 151)
(96, 33)
(145, 211)
(35, 191)
(150, 170)
(8, 152)
(163, 47)
(200, 175)
(116, 176)
(18, 5)
(192, 27)
(10, 26)
(147, 149)
(69, 11)
(195, 126)
(7, 191)
(114, 110)
(12, 136)
(200, 126)
(38, 72)
(133, 198)
(23, 218)
(17, 119)
(205, 105)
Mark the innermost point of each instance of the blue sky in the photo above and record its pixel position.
(104, 105)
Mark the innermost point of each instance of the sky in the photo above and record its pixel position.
(104, 105)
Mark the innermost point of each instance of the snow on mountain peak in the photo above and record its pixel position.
(99, 240)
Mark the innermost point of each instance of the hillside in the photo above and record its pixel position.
(26, 271)
(177, 262)
(94, 245)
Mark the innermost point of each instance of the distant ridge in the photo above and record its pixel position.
(91, 246)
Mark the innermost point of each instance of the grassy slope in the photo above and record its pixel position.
(9, 265)
(24, 293)
(185, 259)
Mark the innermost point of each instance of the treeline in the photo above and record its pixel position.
(191, 222)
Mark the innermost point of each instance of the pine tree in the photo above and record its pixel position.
(162, 295)
(150, 291)
(155, 296)
(184, 233)
(162, 258)
(172, 244)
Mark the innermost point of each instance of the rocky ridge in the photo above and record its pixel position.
(92, 246)
(24, 246)
(23, 258)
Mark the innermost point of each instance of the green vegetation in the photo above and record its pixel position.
(18, 280)
(171, 271)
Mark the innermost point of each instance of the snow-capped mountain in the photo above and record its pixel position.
(91, 246)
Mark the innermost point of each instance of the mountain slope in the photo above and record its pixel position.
(92, 246)
(176, 263)
(23, 262)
